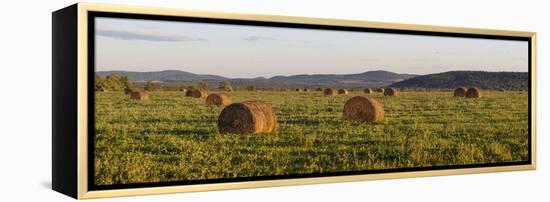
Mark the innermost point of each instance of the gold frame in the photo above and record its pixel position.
(85, 193)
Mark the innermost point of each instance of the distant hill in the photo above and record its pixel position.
(365, 79)
(370, 78)
(484, 80)
(166, 76)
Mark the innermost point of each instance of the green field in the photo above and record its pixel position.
(172, 138)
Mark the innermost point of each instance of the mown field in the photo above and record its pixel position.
(172, 138)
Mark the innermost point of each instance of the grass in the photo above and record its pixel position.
(174, 138)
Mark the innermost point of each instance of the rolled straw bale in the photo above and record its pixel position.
(218, 99)
(362, 109)
(330, 92)
(473, 92)
(252, 116)
(343, 91)
(460, 92)
(196, 93)
(391, 92)
(137, 95)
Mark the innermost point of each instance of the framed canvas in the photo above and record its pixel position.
(155, 100)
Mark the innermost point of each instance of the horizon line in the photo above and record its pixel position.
(308, 74)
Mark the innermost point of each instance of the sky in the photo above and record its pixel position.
(242, 51)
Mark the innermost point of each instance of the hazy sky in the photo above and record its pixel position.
(252, 51)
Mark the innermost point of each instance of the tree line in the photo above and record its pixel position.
(123, 83)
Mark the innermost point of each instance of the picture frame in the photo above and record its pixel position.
(73, 62)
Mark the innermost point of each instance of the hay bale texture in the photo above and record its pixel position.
(473, 93)
(362, 109)
(380, 90)
(196, 93)
(460, 92)
(127, 91)
(391, 92)
(330, 92)
(306, 89)
(343, 91)
(368, 91)
(218, 99)
(137, 95)
(247, 117)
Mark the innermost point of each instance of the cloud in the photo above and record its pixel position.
(257, 38)
(260, 38)
(127, 34)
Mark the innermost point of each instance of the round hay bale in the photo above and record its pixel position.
(247, 117)
(196, 93)
(127, 91)
(330, 92)
(306, 89)
(189, 93)
(298, 90)
(137, 95)
(391, 92)
(380, 90)
(362, 109)
(460, 92)
(319, 89)
(368, 91)
(218, 99)
(473, 93)
(343, 91)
